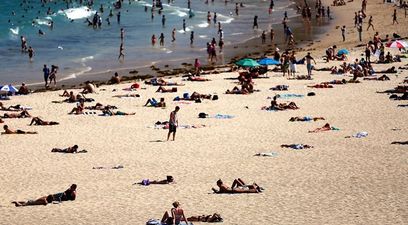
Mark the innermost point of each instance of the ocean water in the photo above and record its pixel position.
(81, 50)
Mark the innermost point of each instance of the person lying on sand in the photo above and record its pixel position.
(127, 96)
(176, 216)
(108, 112)
(398, 89)
(146, 182)
(279, 88)
(305, 118)
(215, 218)
(301, 77)
(196, 95)
(162, 82)
(343, 81)
(153, 102)
(296, 146)
(8, 131)
(321, 86)
(281, 106)
(73, 149)
(165, 90)
(389, 70)
(68, 195)
(13, 108)
(99, 106)
(22, 114)
(382, 78)
(197, 78)
(402, 97)
(39, 122)
(326, 127)
(237, 91)
(237, 187)
(399, 143)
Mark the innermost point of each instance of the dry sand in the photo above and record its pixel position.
(339, 181)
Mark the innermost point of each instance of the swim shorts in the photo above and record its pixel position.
(172, 128)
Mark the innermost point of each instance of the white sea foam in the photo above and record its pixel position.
(42, 22)
(203, 24)
(15, 31)
(225, 19)
(77, 13)
(76, 74)
(87, 58)
(203, 36)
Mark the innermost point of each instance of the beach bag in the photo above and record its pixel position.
(215, 97)
(202, 115)
(186, 96)
(145, 182)
(311, 94)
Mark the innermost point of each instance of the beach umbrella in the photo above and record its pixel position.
(9, 88)
(268, 61)
(343, 52)
(247, 63)
(397, 44)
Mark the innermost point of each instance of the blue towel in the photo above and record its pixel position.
(286, 96)
(222, 116)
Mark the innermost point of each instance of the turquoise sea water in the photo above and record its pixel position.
(79, 49)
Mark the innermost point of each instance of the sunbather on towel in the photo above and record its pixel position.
(165, 90)
(206, 218)
(79, 109)
(162, 82)
(305, 118)
(40, 122)
(382, 78)
(146, 182)
(321, 86)
(238, 91)
(280, 88)
(326, 127)
(153, 102)
(296, 146)
(197, 78)
(99, 106)
(402, 97)
(13, 108)
(22, 114)
(127, 96)
(108, 112)
(8, 131)
(73, 149)
(237, 187)
(68, 195)
(389, 70)
(343, 81)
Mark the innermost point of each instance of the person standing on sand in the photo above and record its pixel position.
(173, 123)
(197, 66)
(118, 17)
(370, 23)
(46, 72)
(343, 33)
(309, 66)
(359, 30)
(263, 37)
(394, 17)
(272, 35)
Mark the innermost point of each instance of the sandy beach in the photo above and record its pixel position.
(339, 181)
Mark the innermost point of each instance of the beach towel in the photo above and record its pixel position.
(287, 96)
(361, 134)
(222, 116)
(297, 146)
(406, 105)
(103, 167)
(267, 154)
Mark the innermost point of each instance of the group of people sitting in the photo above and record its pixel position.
(280, 106)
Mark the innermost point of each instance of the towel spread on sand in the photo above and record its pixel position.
(103, 167)
(187, 126)
(267, 154)
(361, 134)
(222, 116)
(287, 96)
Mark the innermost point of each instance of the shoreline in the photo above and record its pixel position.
(179, 67)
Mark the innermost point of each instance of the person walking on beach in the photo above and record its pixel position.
(197, 66)
(173, 123)
(255, 22)
(272, 35)
(46, 72)
(30, 53)
(53, 74)
(121, 52)
(343, 33)
(236, 9)
(360, 31)
(173, 35)
(161, 39)
(192, 38)
(263, 37)
(394, 17)
(154, 40)
(370, 23)
(309, 66)
(122, 34)
(163, 21)
(118, 17)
